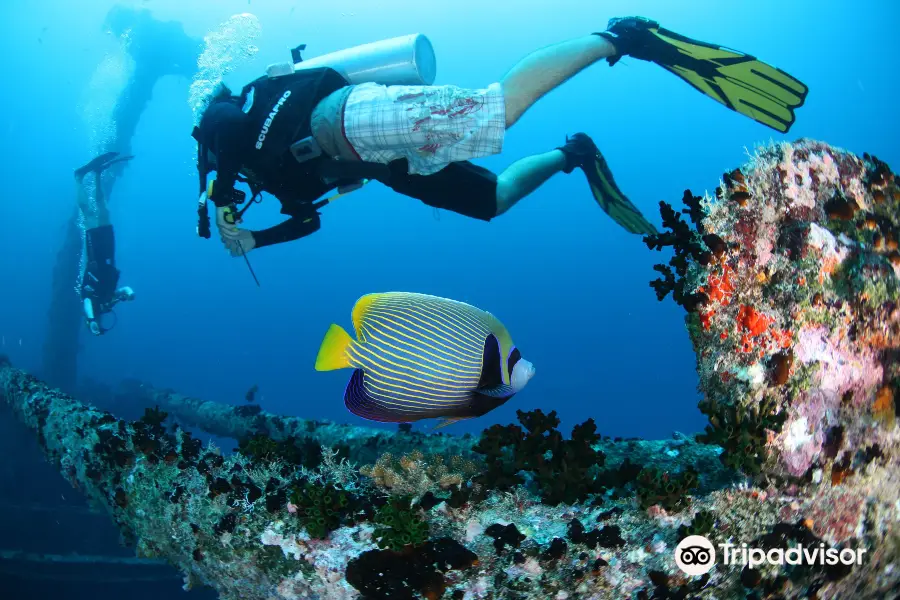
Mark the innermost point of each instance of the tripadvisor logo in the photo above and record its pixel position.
(696, 555)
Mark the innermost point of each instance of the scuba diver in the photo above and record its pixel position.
(99, 293)
(299, 132)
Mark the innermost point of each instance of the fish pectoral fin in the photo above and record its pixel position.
(497, 391)
(446, 422)
(334, 351)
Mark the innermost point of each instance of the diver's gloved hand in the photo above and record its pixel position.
(631, 37)
(238, 241)
(226, 218)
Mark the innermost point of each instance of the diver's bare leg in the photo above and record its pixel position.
(102, 207)
(526, 175)
(545, 69)
(84, 204)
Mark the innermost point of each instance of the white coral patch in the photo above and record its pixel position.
(755, 374)
(289, 545)
(343, 544)
(822, 239)
(473, 530)
(798, 434)
(532, 566)
(637, 556)
(827, 170)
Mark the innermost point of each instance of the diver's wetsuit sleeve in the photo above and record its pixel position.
(292, 229)
(230, 153)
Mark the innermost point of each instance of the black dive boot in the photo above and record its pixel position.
(580, 151)
(632, 37)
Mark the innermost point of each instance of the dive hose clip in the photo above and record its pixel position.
(306, 149)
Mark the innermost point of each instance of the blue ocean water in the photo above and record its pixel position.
(570, 286)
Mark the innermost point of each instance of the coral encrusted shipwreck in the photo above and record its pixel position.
(789, 278)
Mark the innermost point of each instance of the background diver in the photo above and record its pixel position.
(156, 49)
(99, 293)
(301, 133)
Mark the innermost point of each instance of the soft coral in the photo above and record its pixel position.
(562, 468)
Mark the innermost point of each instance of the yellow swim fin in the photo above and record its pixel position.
(334, 351)
(736, 80)
(581, 152)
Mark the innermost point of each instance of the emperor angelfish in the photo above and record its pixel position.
(420, 357)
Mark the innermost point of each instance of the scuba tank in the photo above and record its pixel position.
(405, 60)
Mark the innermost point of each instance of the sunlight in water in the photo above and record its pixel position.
(226, 48)
(103, 92)
(107, 84)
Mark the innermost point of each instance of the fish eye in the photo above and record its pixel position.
(514, 357)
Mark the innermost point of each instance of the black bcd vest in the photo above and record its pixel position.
(279, 115)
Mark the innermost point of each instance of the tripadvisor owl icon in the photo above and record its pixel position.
(695, 555)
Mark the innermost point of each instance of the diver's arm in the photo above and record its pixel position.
(229, 144)
(292, 229)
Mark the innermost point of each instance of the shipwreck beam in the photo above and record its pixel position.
(365, 444)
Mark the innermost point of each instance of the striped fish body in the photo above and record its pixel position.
(418, 357)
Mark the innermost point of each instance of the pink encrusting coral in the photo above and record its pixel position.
(836, 514)
(842, 365)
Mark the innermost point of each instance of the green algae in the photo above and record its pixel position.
(397, 524)
(321, 508)
(702, 524)
(669, 490)
(741, 431)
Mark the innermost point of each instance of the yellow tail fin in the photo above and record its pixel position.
(333, 353)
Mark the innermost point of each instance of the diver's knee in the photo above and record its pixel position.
(514, 103)
(514, 112)
(505, 197)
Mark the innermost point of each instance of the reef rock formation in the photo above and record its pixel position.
(790, 279)
(789, 276)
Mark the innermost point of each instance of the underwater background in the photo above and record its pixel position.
(571, 286)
